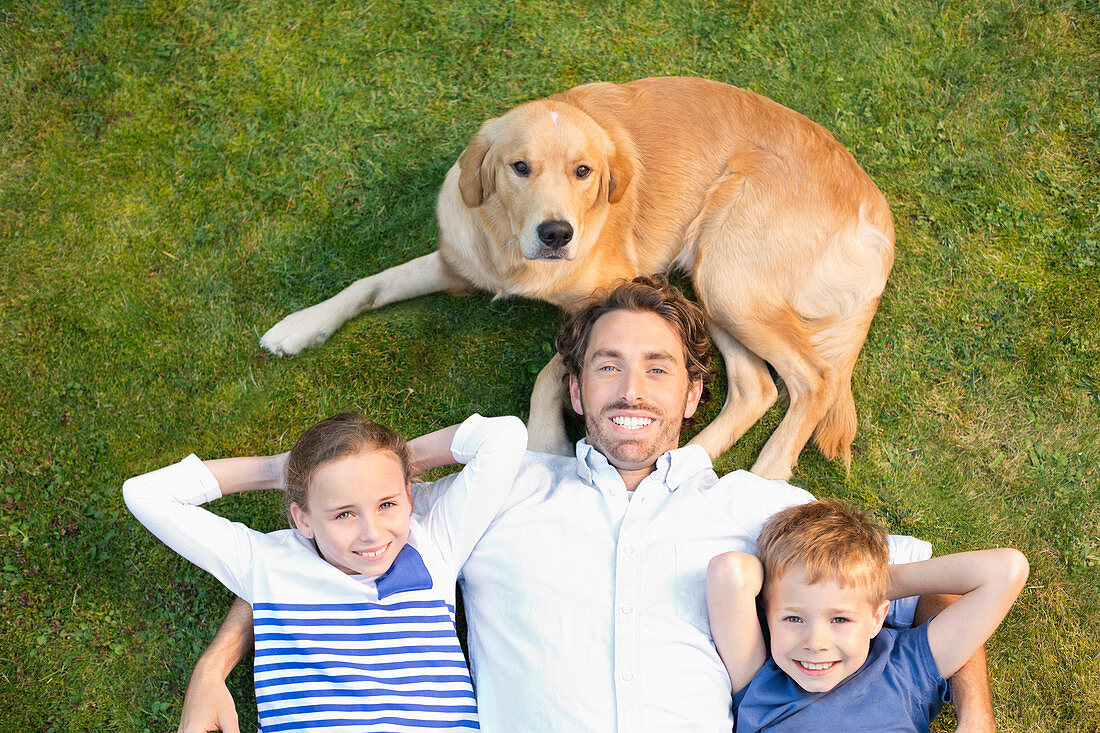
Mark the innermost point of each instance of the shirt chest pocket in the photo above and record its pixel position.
(691, 580)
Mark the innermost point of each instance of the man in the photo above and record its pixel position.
(586, 600)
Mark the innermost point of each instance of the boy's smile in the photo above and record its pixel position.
(821, 633)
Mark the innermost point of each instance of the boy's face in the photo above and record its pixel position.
(358, 513)
(820, 633)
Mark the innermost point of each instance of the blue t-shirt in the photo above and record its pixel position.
(898, 688)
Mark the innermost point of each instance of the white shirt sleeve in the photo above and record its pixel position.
(492, 449)
(166, 502)
(905, 549)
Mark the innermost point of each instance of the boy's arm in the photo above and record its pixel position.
(208, 704)
(733, 582)
(970, 693)
(988, 582)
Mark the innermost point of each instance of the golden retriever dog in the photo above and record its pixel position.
(787, 241)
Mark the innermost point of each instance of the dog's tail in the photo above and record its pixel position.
(833, 436)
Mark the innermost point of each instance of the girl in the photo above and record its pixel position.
(353, 610)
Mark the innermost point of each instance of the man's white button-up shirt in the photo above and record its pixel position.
(586, 603)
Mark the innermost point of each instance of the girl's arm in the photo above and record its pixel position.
(249, 473)
(988, 581)
(167, 502)
(467, 502)
(733, 582)
(433, 450)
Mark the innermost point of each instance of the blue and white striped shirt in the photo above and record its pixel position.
(336, 652)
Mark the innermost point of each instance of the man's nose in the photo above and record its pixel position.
(633, 385)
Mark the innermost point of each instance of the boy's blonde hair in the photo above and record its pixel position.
(828, 540)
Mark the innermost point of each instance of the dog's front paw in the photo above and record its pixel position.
(299, 331)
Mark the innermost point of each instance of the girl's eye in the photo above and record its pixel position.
(792, 619)
(387, 505)
(343, 515)
(583, 171)
(520, 167)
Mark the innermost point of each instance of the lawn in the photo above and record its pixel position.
(177, 176)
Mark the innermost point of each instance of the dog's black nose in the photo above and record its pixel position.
(555, 234)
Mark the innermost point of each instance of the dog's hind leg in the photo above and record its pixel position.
(812, 384)
(313, 325)
(550, 397)
(750, 392)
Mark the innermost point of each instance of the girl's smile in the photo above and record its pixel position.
(358, 512)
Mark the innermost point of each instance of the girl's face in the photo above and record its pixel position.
(358, 513)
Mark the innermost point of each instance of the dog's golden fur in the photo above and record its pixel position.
(788, 242)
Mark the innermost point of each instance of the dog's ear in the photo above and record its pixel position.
(620, 164)
(476, 179)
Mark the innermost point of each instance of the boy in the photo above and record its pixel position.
(824, 581)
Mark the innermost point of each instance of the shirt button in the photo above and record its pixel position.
(628, 550)
(626, 608)
(627, 676)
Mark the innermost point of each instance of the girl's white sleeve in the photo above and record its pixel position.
(492, 449)
(166, 502)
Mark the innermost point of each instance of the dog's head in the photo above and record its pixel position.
(552, 170)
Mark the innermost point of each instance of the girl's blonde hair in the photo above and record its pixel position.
(342, 435)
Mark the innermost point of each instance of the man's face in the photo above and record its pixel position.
(820, 633)
(633, 389)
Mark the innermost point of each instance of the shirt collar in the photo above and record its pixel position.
(407, 573)
(673, 468)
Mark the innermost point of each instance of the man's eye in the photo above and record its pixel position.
(520, 167)
(583, 171)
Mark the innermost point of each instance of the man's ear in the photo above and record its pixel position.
(301, 520)
(575, 394)
(695, 393)
(880, 616)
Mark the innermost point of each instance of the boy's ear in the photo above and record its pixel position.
(880, 616)
(301, 520)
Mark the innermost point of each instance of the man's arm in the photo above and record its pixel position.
(208, 705)
(970, 692)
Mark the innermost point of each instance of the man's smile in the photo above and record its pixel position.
(631, 422)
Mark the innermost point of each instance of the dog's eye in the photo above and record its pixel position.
(583, 171)
(520, 168)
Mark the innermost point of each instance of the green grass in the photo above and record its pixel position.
(175, 177)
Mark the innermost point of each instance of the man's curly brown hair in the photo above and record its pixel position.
(647, 295)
